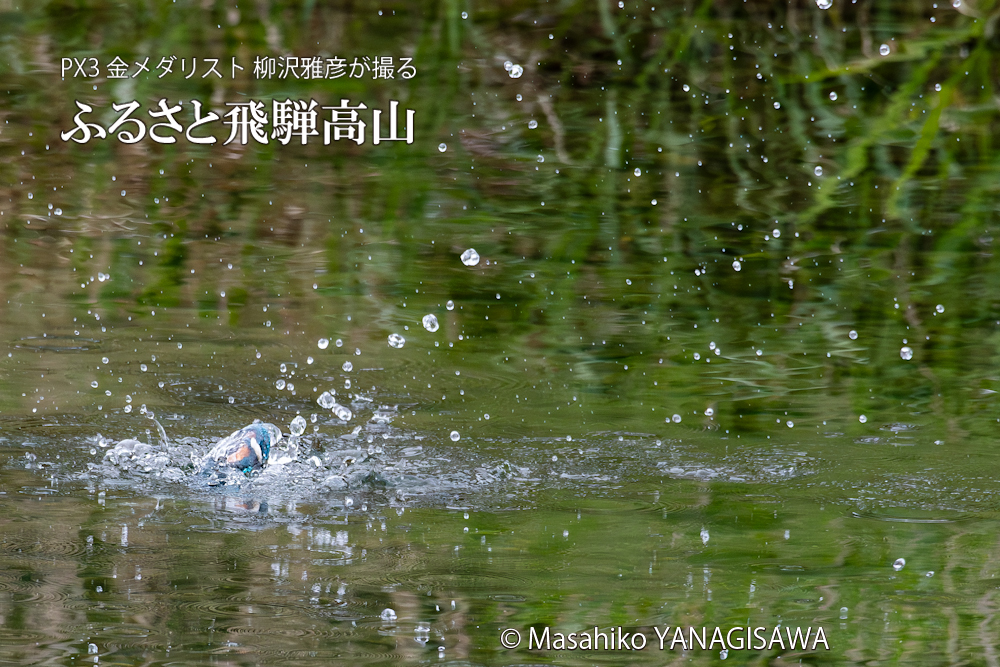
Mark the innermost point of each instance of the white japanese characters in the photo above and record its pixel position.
(264, 67)
(250, 121)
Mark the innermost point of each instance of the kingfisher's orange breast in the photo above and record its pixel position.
(241, 453)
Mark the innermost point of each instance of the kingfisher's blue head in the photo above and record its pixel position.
(267, 435)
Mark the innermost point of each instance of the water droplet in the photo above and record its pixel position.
(389, 615)
(863, 419)
(899, 564)
(323, 343)
(937, 87)
(628, 281)
(470, 257)
(516, 71)
(956, 3)
(58, 211)
(532, 124)
(280, 384)
(824, 4)
(709, 412)
(704, 535)
(343, 413)
(852, 334)
(430, 322)
(776, 233)
(310, 360)
(884, 49)
(789, 423)
(686, 88)
(94, 384)
(843, 612)
(180, 346)
(455, 436)
(104, 360)
(92, 649)
(442, 147)
(283, 368)
(833, 96)
(736, 265)
(450, 305)
(697, 356)
(143, 367)
(507, 65)
(540, 158)
(465, 15)
(326, 399)
(723, 654)
(298, 425)
(396, 341)
(939, 308)
(348, 367)
(676, 419)
(906, 353)
(818, 170)
(637, 172)
(777, 105)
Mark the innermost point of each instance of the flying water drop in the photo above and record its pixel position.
(430, 323)
(326, 400)
(298, 426)
(323, 343)
(470, 257)
(396, 341)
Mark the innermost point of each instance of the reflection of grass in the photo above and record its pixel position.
(905, 199)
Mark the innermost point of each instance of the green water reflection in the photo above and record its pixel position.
(729, 352)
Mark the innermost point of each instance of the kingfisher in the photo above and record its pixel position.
(246, 450)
